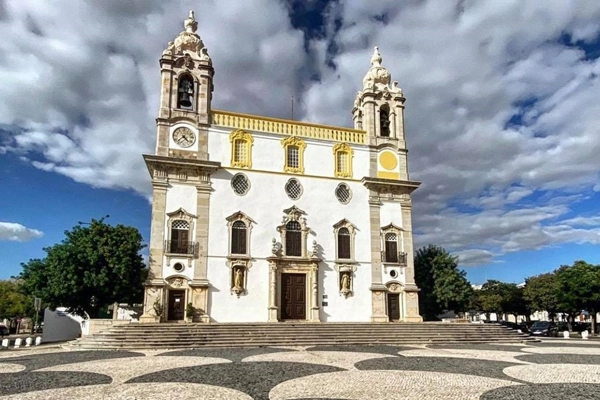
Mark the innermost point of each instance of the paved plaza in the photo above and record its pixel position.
(553, 369)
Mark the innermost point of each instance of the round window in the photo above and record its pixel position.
(240, 184)
(393, 273)
(293, 188)
(343, 193)
(178, 267)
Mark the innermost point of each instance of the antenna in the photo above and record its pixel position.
(292, 108)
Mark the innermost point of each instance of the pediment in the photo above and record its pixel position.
(240, 216)
(293, 210)
(181, 213)
(392, 227)
(344, 223)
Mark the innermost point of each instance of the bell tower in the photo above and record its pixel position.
(185, 96)
(379, 110)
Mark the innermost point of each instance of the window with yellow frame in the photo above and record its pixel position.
(342, 159)
(293, 158)
(241, 149)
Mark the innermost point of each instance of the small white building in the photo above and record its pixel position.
(258, 219)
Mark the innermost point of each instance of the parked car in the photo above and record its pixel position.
(543, 328)
(4, 331)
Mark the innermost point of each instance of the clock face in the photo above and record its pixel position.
(184, 137)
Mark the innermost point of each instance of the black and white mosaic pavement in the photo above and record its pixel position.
(547, 370)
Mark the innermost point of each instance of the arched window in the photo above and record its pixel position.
(384, 120)
(238, 238)
(185, 92)
(293, 239)
(180, 237)
(343, 243)
(391, 247)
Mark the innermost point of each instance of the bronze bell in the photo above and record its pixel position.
(185, 99)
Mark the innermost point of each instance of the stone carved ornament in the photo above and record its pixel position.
(188, 40)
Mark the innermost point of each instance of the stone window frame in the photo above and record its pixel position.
(294, 214)
(247, 181)
(301, 144)
(398, 231)
(287, 192)
(349, 193)
(246, 220)
(180, 215)
(352, 229)
(246, 137)
(337, 150)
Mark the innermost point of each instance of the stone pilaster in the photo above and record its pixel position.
(411, 297)
(378, 312)
(273, 309)
(314, 310)
(200, 282)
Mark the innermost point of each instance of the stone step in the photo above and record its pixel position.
(170, 336)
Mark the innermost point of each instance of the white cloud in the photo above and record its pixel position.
(17, 232)
(83, 87)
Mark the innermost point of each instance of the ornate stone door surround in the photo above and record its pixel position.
(283, 265)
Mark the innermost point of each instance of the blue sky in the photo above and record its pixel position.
(501, 114)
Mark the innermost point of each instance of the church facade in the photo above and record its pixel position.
(257, 219)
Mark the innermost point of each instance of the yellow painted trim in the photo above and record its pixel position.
(301, 144)
(262, 171)
(246, 137)
(388, 160)
(343, 148)
(388, 175)
(287, 127)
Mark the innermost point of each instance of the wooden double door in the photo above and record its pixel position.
(293, 296)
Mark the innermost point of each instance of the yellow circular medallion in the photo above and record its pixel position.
(388, 160)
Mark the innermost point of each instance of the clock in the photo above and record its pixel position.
(184, 137)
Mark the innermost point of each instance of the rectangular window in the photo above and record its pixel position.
(239, 153)
(179, 241)
(342, 161)
(238, 238)
(293, 157)
(293, 243)
(344, 247)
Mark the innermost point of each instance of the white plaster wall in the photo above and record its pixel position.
(225, 306)
(264, 203)
(390, 213)
(268, 154)
(180, 196)
(355, 308)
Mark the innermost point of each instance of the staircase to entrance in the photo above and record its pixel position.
(174, 336)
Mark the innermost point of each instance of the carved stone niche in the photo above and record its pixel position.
(239, 276)
(345, 274)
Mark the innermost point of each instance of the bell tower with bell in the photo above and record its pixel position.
(379, 110)
(185, 97)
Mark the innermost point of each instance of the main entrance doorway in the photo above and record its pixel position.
(293, 296)
(176, 305)
(393, 306)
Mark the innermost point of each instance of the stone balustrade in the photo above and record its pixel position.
(287, 127)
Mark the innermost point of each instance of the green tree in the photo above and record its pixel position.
(95, 265)
(489, 298)
(502, 298)
(541, 292)
(443, 286)
(579, 289)
(13, 303)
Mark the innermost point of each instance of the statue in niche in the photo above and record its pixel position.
(345, 283)
(238, 279)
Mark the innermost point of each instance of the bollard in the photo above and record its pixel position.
(18, 342)
(5, 344)
(38, 340)
(566, 334)
(28, 342)
(584, 335)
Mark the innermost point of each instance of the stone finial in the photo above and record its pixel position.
(376, 57)
(190, 24)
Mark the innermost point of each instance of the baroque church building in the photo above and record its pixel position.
(258, 219)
